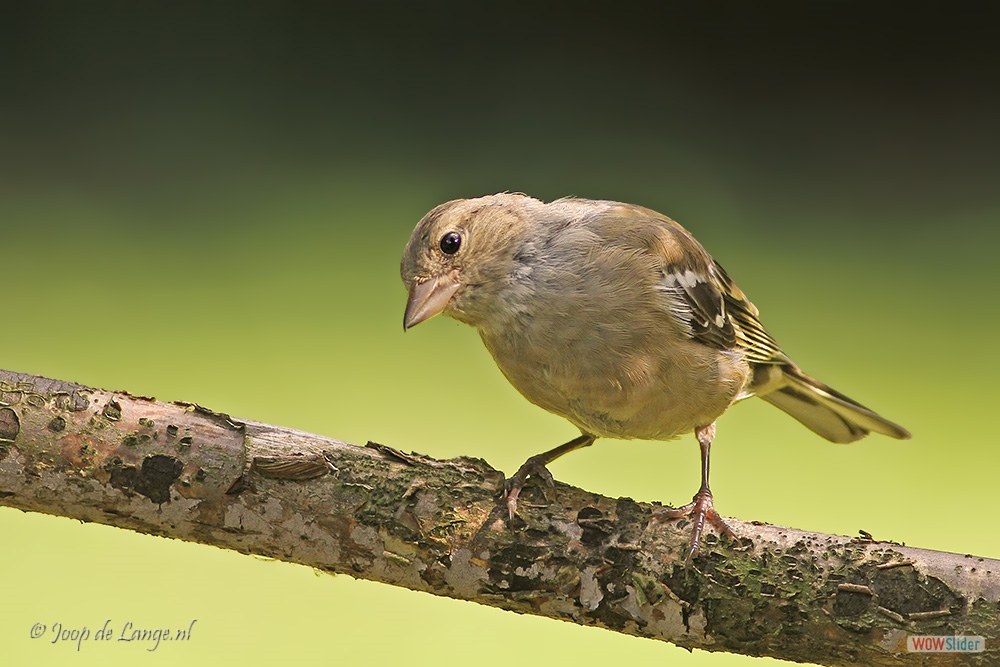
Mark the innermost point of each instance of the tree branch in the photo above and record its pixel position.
(180, 470)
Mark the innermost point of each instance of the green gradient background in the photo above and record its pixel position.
(209, 204)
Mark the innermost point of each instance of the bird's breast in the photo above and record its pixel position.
(615, 368)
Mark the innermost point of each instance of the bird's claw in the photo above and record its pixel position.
(699, 509)
(535, 466)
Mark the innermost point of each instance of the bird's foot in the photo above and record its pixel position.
(535, 466)
(699, 509)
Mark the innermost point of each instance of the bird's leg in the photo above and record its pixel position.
(701, 506)
(536, 466)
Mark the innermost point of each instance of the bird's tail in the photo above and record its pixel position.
(826, 411)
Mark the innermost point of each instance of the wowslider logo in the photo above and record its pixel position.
(945, 644)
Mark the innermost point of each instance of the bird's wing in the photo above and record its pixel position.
(751, 336)
(705, 300)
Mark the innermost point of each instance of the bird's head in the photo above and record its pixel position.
(460, 254)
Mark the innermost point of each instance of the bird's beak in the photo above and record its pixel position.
(429, 298)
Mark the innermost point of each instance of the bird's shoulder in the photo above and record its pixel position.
(694, 288)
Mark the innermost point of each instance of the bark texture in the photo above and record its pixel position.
(180, 470)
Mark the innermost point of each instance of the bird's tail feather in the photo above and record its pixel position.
(828, 412)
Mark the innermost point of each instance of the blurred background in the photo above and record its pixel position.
(208, 202)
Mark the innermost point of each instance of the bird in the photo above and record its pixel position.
(614, 317)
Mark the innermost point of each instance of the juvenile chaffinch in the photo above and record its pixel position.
(614, 317)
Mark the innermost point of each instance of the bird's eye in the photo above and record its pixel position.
(450, 243)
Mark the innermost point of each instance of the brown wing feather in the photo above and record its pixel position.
(716, 311)
(752, 337)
